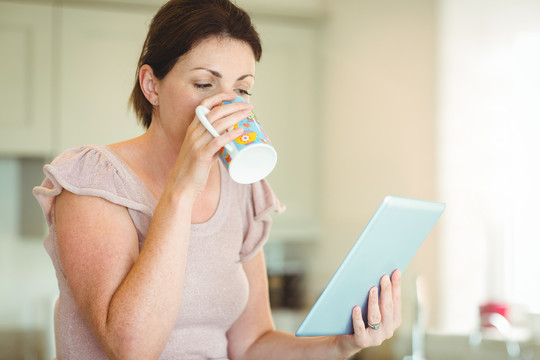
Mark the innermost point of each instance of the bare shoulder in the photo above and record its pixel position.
(128, 149)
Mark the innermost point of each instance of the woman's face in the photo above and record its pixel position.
(215, 65)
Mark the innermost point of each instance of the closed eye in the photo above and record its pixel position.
(202, 86)
(243, 92)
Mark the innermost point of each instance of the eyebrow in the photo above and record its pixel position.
(218, 74)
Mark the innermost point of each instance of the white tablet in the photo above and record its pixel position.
(389, 242)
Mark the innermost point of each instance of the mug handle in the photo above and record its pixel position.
(201, 112)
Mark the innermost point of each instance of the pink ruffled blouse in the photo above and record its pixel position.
(215, 289)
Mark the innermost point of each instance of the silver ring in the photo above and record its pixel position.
(376, 326)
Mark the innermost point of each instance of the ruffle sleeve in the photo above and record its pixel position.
(261, 203)
(94, 171)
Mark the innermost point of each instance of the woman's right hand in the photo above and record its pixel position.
(198, 152)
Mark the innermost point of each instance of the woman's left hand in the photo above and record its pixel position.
(384, 316)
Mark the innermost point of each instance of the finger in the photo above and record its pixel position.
(217, 99)
(228, 109)
(215, 145)
(396, 297)
(217, 111)
(226, 122)
(358, 322)
(362, 338)
(221, 120)
(197, 134)
(387, 304)
(374, 313)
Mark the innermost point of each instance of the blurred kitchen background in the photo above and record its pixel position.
(432, 99)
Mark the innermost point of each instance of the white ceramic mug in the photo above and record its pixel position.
(250, 157)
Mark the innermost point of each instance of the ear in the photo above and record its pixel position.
(148, 83)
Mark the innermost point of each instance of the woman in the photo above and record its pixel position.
(157, 251)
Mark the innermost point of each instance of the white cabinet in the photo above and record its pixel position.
(26, 73)
(99, 53)
(67, 73)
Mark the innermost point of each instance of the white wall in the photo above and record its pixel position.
(379, 124)
(488, 156)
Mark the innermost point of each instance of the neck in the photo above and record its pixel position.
(158, 152)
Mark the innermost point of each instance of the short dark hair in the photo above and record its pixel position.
(178, 27)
